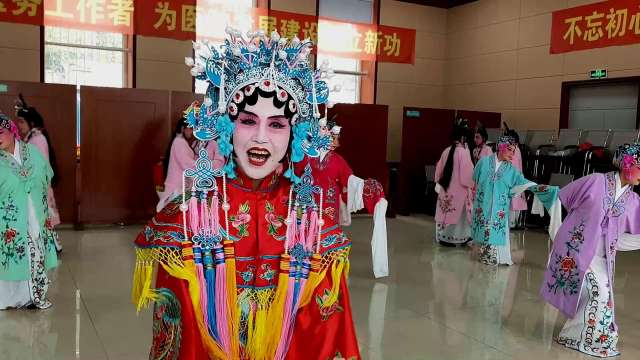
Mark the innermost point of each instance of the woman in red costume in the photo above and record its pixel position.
(249, 266)
(331, 172)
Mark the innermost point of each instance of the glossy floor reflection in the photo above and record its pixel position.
(437, 303)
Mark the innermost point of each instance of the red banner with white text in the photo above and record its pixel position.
(21, 11)
(608, 23)
(183, 19)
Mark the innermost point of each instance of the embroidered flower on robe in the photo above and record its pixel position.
(9, 236)
(275, 221)
(326, 312)
(568, 264)
(446, 203)
(330, 212)
(241, 220)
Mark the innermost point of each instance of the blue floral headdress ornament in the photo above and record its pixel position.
(273, 64)
(507, 140)
(626, 156)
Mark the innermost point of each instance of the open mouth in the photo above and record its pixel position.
(258, 156)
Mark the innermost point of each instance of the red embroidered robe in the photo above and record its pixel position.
(258, 229)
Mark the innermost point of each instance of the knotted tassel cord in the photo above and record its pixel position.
(315, 275)
(188, 271)
(210, 276)
(222, 316)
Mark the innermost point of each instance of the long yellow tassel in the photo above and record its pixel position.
(250, 322)
(257, 341)
(141, 293)
(315, 277)
(188, 272)
(232, 298)
(276, 312)
(337, 267)
(347, 268)
(148, 295)
(138, 282)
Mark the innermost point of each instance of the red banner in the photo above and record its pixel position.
(101, 15)
(609, 23)
(353, 40)
(21, 11)
(175, 19)
(287, 24)
(397, 45)
(178, 19)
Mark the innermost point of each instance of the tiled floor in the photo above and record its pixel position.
(437, 303)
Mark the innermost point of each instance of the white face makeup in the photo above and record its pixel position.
(633, 175)
(507, 153)
(261, 138)
(7, 140)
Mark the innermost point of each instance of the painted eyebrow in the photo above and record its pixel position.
(270, 117)
(249, 113)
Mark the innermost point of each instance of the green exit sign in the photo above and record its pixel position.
(598, 74)
(3, 88)
(413, 113)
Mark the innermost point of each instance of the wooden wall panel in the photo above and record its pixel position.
(364, 139)
(57, 105)
(423, 139)
(124, 132)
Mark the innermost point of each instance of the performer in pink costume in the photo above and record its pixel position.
(181, 155)
(454, 178)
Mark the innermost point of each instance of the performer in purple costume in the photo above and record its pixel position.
(604, 216)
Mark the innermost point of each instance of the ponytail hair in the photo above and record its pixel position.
(461, 130)
(483, 133)
(445, 179)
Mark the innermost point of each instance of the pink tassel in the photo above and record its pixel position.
(312, 232)
(301, 238)
(204, 217)
(286, 322)
(194, 219)
(285, 339)
(203, 292)
(214, 217)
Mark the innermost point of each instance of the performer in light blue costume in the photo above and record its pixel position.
(27, 239)
(497, 182)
